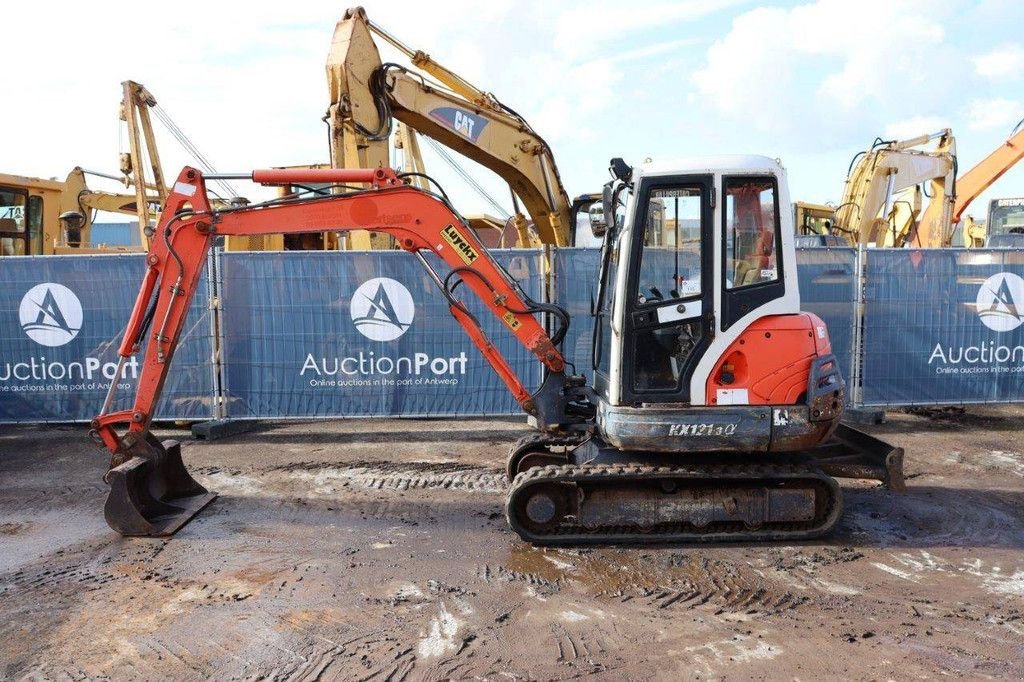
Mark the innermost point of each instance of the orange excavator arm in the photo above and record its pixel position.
(975, 181)
(935, 231)
(419, 221)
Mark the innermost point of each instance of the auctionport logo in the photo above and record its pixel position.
(997, 302)
(50, 314)
(382, 309)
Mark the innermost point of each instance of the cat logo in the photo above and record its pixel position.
(50, 314)
(997, 302)
(462, 247)
(466, 124)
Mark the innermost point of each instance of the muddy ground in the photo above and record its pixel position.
(378, 550)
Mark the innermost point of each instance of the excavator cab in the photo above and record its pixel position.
(692, 260)
(699, 342)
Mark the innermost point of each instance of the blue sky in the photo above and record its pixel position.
(811, 83)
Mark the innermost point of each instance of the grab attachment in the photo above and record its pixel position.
(151, 492)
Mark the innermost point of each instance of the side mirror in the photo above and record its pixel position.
(598, 225)
(599, 212)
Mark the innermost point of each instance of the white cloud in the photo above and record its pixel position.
(800, 68)
(994, 114)
(1003, 61)
(914, 126)
(588, 28)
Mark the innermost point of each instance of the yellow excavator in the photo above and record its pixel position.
(376, 107)
(887, 185)
(367, 97)
(49, 217)
(907, 193)
(40, 217)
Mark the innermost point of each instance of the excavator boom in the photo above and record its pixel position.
(417, 220)
(366, 95)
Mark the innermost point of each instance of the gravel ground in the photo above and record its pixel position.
(378, 550)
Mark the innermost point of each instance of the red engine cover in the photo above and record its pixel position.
(771, 359)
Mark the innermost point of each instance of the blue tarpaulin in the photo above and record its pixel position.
(943, 326)
(61, 321)
(332, 334)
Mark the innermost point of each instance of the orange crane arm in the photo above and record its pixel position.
(416, 219)
(975, 181)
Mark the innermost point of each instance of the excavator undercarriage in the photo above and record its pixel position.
(570, 489)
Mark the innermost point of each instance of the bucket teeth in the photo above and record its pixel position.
(152, 493)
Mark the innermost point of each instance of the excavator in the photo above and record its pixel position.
(715, 409)
(883, 194)
(936, 232)
(368, 96)
(885, 201)
(48, 217)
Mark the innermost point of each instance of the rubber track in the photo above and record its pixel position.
(625, 475)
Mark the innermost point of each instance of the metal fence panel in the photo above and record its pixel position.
(828, 288)
(61, 321)
(575, 275)
(943, 327)
(334, 334)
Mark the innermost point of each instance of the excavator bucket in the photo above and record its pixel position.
(152, 494)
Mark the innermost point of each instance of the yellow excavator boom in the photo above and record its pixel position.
(366, 95)
(882, 196)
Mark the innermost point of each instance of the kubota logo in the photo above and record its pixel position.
(382, 309)
(998, 300)
(50, 314)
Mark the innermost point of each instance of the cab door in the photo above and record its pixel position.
(669, 297)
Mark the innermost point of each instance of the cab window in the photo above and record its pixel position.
(670, 261)
(751, 232)
(12, 223)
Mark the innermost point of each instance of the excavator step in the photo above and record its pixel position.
(591, 504)
(152, 494)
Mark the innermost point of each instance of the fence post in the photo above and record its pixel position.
(857, 361)
(217, 341)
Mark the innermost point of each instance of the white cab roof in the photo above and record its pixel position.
(726, 163)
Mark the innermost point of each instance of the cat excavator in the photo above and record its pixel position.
(368, 96)
(714, 413)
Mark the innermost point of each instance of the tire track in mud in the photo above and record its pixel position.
(491, 574)
(325, 478)
(675, 583)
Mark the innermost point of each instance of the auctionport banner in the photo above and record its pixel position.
(61, 321)
(360, 334)
(944, 327)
